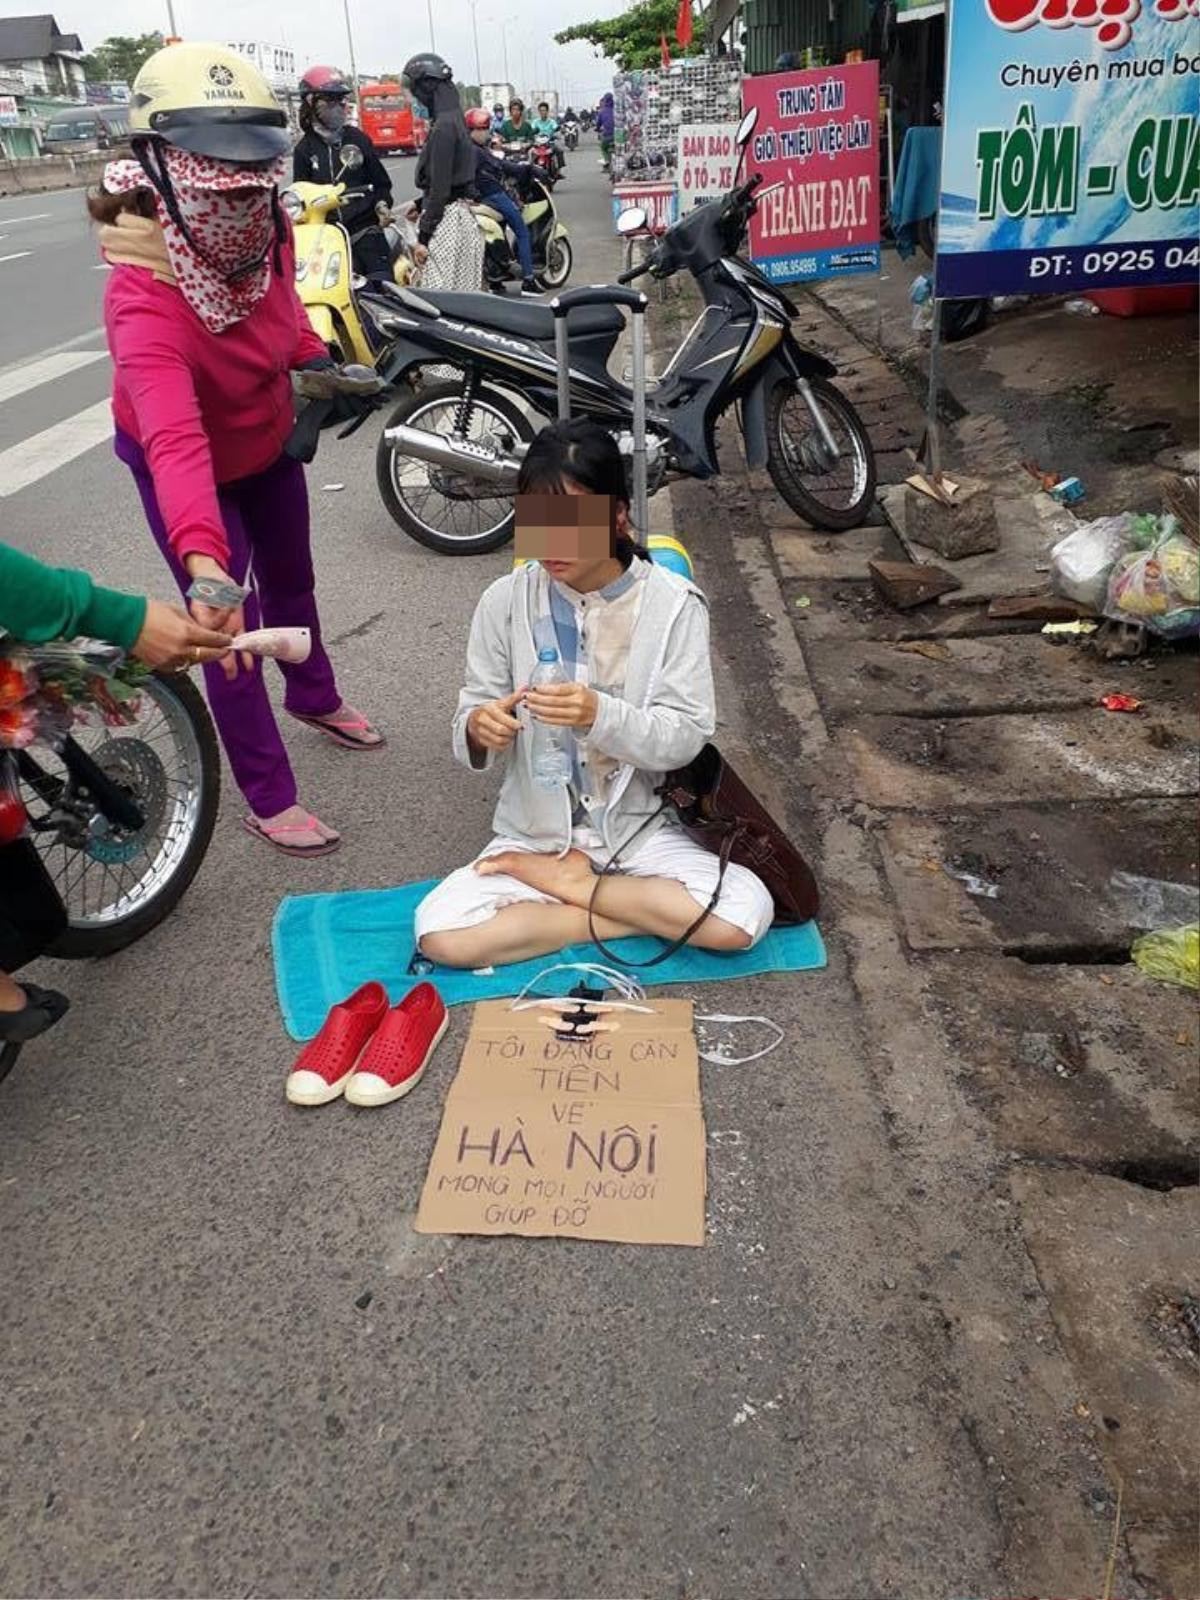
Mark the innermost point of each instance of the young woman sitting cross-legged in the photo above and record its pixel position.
(634, 640)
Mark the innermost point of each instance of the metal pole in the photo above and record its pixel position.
(641, 513)
(933, 452)
(350, 44)
(504, 37)
(429, 9)
(171, 19)
(475, 31)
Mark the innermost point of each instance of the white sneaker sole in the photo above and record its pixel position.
(311, 1089)
(365, 1089)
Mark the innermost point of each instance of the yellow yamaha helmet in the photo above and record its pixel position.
(208, 99)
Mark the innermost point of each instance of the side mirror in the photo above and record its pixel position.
(352, 158)
(632, 220)
(747, 126)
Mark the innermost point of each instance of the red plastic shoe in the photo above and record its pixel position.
(325, 1064)
(396, 1058)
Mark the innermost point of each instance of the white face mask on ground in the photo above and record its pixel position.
(632, 992)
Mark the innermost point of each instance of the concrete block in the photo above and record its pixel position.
(965, 527)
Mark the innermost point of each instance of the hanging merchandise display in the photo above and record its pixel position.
(1071, 153)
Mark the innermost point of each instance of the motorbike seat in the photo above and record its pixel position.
(524, 318)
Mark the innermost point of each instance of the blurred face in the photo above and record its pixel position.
(516, 111)
(543, 110)
(573, 535)
(331, 112)
(481, 135)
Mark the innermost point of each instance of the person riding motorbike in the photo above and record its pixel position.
(203, 324)
(517, 128)
(497, 117)
(449, 248)
(605, 126)
(544, 123)
(317, 159)
(546, 127)
(490, 172)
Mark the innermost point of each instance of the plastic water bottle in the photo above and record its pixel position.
(551, 749)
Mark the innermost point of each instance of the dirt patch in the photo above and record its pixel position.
(1078, 1064)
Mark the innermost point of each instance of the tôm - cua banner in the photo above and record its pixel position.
(1071, 149)
(816, 143)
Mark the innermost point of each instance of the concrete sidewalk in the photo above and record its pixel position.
(1037, 1091)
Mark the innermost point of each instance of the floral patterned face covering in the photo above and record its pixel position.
(221, 255)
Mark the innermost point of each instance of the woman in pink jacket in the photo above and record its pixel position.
(204, 327)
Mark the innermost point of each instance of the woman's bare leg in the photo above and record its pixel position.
(661, 906)
(12, 996)
(517, 933)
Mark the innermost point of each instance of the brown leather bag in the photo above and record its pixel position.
(716, 809)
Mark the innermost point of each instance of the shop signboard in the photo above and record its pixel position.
(10, 116)
(706, 164)
(816, 144)
(660, 202)
(918, 10)
(1071, 150)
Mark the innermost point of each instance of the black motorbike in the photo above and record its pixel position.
(449, 455)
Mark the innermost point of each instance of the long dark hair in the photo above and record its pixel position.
(106, 208)
(584, 454)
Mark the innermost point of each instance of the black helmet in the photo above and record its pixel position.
(425, 65)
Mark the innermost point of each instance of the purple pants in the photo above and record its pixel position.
(266, 524)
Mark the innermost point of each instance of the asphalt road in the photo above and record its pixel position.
(197, 1398)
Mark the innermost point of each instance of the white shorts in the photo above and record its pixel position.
(464, 899)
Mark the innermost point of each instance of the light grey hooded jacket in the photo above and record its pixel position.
(662, 721)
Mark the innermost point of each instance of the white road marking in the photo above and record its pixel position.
(16, 255)
(18, 380)
(24, 464)
(38, 216)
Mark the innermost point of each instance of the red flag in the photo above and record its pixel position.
(683, 23)
(666, 54)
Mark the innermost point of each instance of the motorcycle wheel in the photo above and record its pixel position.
(439, 522)
(119, 885)
(835, 500)
(559, 261)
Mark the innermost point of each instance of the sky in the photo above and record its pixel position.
(386, 33)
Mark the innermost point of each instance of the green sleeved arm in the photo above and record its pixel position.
(38, 602)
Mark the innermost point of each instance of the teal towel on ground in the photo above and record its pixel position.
(325, 945)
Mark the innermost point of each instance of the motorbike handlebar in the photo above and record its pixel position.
(633, 272)
(599, 294)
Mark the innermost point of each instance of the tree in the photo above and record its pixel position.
(634, 39)
(120, 59)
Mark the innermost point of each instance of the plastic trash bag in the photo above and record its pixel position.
(1154, 902)
(1159, 587)
(1080, 564)
(1172, 955)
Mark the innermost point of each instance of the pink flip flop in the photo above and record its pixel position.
(341, 729)
(270, 833)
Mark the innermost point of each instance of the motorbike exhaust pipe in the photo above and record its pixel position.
(463, 456)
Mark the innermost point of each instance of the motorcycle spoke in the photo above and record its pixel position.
(162, 752)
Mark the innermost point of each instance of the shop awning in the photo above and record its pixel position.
(918, 10)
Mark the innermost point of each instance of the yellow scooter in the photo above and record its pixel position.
(324, 267)
(552, 255)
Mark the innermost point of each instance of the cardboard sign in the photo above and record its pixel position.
(600, 1138)
(660, 201)
(817, 146)
(1070, 148)
(707, 163)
